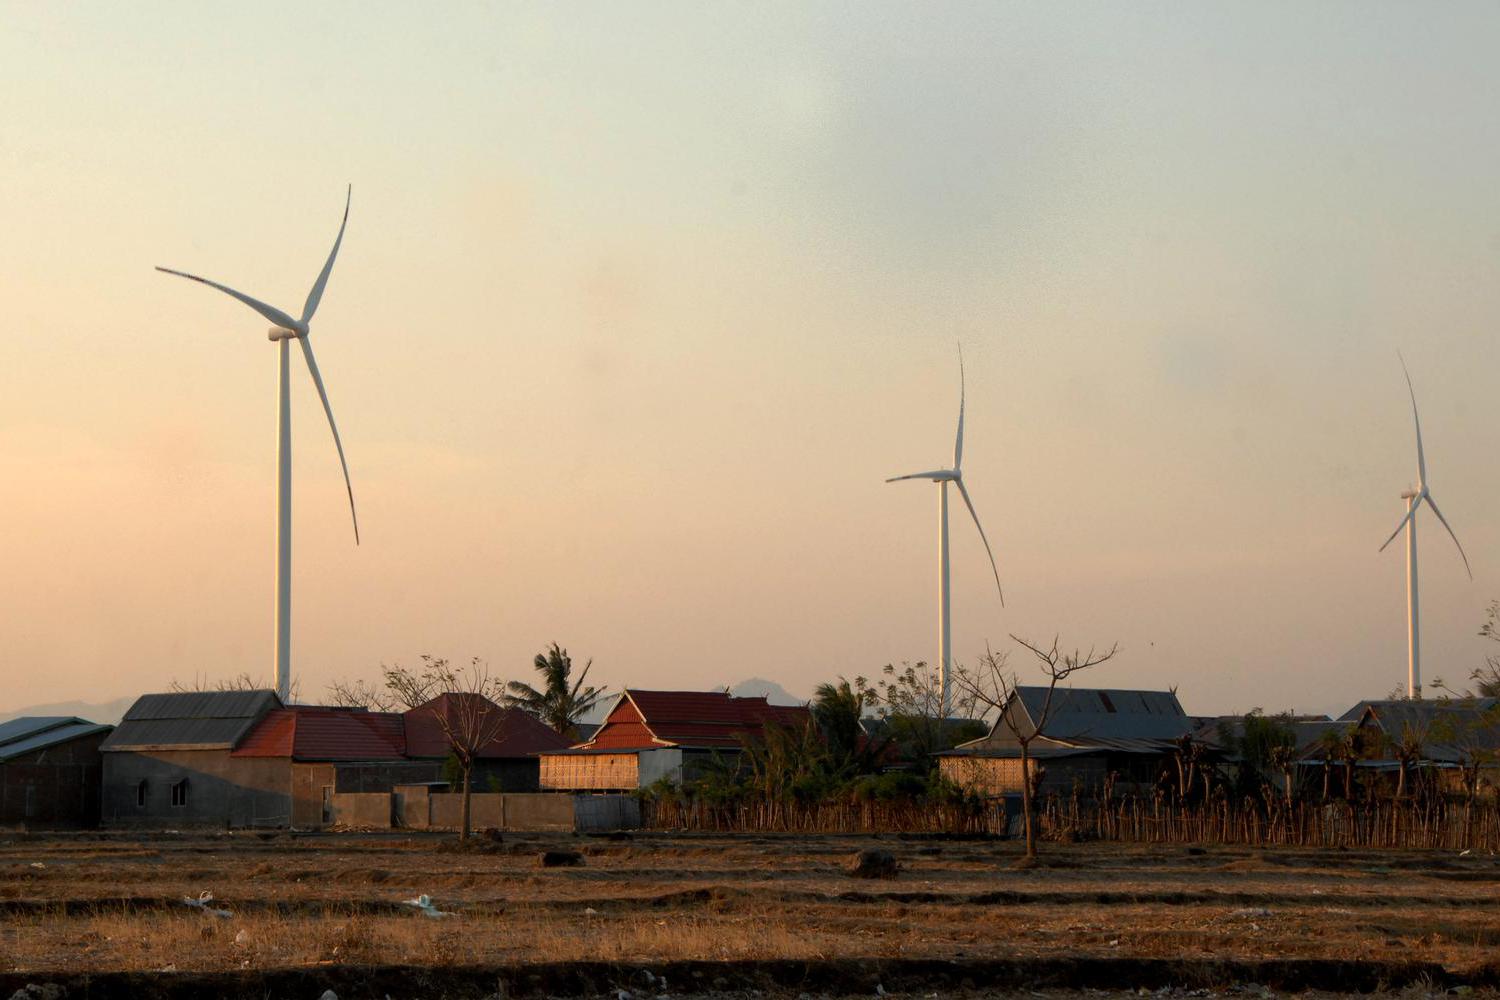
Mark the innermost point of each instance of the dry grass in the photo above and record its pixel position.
(116, 905)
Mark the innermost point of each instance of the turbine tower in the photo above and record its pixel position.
(286, 330)
(1415, 498)
(943, 477)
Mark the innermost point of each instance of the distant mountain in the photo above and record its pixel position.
(108, 712)
(755, 687)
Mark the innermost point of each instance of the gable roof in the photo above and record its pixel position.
(643, 719)
(310, 732)
(1415, 707)
(29, 734)
(190, 720)
(1091, 719)
(1307, 730)
(1449, 728)
(521, 734)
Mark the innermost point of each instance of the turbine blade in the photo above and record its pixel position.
(1421, 460)
(1440, 517)
(316, 295)
(975, 515)
(935, 474)
(269, 312)
(312, 367)
(958, 442)
(1401, 524)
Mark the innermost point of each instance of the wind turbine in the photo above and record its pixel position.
(943, 477)
(286, 330)
(1415, 498)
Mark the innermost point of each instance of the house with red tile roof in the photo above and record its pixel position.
(508, 763)
(650, 735)
(242, 759)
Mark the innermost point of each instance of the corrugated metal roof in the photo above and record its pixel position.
(190, 720)
(202, 705)
(1108, 713)
(1396, 704)
(1115, 719)
(30, 725)
(319, 733)
(16, 742)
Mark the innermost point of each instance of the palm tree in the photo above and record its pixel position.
(838, 709)
(558, 704)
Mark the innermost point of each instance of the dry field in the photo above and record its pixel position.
(104, 916)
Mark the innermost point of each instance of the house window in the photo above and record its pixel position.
(179, 792)
(140, 794)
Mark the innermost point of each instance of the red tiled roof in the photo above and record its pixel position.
(306, 732)
(521, 734)
(689, 718)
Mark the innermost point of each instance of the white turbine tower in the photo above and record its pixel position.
(943, 477)
(1415, 498)
(285, 330)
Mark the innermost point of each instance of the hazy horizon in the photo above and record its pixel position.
(639, 305)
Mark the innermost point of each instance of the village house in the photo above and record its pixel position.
(1092, 735)
(50, 769)
(648, 736)
(508, 763)
(1453, 740)
(242, 759)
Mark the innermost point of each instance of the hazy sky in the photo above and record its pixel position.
(639, 303)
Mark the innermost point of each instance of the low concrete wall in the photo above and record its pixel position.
(363, 809)
(412, 806)
(447, 810)
(537, 811)
(534, 812)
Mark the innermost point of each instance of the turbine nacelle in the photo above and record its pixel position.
(282, 333)
(937, 476)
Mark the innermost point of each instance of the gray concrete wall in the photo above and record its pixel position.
(412, 806)
(308, 784)
(447, 810)
(222, 791)
(536, 811)
(367, 810)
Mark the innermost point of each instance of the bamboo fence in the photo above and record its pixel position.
(1438, 824)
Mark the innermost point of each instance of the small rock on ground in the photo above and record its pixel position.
(873, 862)
(559, 859)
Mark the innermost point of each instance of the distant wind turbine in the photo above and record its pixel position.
(287, 329)
(943, 477)
(1415, 498)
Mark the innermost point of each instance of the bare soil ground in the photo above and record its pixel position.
(653, 914)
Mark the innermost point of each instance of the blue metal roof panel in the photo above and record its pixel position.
(71, 730)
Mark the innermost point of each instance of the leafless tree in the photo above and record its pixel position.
(994, 685)
(469, 717)
(239, 682)
(363, 694)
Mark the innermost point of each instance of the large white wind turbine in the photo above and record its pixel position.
(1415, 498)
(285, 330)
(943, 477)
